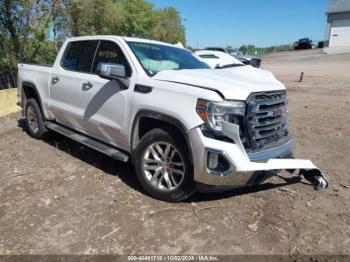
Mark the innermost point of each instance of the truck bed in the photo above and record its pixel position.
(27, 73)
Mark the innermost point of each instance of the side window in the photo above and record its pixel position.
(109, 52)
(79, 56)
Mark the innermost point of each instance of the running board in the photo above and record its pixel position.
(89, 142)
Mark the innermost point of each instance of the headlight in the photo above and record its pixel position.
(214, 113)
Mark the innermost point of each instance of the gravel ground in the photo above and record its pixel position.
(58, 197)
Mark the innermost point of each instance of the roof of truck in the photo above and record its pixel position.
(125, 38)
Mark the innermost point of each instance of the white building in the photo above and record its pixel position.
(338, 26)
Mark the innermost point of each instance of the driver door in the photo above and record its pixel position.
(104, 102)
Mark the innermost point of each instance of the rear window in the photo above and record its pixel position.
(79, 56)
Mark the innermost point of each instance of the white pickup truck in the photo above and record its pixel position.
(217, 59)
(184, 126)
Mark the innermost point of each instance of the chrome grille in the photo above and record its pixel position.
(266, 119)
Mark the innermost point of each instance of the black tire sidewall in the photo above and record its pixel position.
(41, 126)
(187, 187)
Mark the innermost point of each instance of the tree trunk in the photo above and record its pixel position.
(11, 27)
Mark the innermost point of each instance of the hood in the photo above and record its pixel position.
(247, 57)
(233, 83)
(242, 57)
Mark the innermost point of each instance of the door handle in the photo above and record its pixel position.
(54, 80)
(142, 89)
(87, 86)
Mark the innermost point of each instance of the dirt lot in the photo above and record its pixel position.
(57, 197)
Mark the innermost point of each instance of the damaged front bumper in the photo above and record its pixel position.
(237, 168)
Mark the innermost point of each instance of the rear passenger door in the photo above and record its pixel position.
(67, 81)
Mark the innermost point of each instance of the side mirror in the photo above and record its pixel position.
(111, 71)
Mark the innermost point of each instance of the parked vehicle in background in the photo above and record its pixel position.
(246, 59)
(221, 60)
(320, 44)
(302, 44)
(184, 126)
(217, 59)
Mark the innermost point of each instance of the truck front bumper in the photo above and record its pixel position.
(241, 169)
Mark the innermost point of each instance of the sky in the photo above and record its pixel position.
(262, 23)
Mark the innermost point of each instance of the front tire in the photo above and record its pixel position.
(162, 166)
(34, 119)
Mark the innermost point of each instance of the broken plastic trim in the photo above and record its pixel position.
(306, 168)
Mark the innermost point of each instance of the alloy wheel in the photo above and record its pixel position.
(163, 166)
(32, 117)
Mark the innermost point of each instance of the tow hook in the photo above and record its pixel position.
(315, 177)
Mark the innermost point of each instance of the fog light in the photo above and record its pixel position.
(213, 160)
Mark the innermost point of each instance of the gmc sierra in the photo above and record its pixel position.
(184, 126)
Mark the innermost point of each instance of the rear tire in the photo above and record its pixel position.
(34, 119)
(162, 166)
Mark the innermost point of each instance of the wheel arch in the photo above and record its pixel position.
(146, 120)
(28, 91)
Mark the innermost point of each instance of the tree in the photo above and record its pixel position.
(25, 28)
(251, 49)
(33, 30)
(93, 17)
(243, 49)
(140, 19)
(170, 28)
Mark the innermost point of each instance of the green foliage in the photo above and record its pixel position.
(259, 51)
(140, 19)
(243, 49)
(33, 30)
(24, 31)
(170, 28)
(93, 17)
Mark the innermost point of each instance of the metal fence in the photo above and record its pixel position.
(7, 79)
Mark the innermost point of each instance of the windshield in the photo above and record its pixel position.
(218, 60)
(155, 58)
(234, 51)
